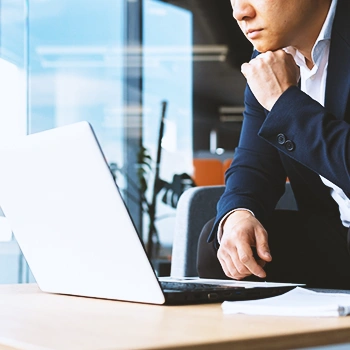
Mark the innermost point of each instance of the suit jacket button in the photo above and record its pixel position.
(281, 139)
(289, 145)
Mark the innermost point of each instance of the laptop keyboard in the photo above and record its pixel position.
(192, 286)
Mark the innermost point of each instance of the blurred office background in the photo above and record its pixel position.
(125, 65)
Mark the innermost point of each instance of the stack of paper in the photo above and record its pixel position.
(297, 302)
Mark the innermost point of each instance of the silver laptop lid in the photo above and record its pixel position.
(69, 219)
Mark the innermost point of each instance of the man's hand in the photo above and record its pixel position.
(241, 232)
(269, 75)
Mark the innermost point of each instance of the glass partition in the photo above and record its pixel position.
(76, 68)
(13, 116)
(159, 81)
(87, 62)
(168, 84)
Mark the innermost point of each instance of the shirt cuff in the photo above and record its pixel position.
(220, 227)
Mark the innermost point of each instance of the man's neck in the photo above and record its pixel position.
(309, 63)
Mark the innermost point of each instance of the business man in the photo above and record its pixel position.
(296, 125)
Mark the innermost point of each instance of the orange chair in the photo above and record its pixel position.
(207, 172)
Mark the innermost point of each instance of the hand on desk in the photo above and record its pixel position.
(241, 232)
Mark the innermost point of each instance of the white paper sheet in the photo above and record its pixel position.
(297, 302)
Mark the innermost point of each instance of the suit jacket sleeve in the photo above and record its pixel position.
(316, 139)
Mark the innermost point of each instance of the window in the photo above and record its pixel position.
(13, 116)
(128, 67)
(167, 77)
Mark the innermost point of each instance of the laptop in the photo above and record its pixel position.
(76, 233)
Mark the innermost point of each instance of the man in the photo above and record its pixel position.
(296, 125)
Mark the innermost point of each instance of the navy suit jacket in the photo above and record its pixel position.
(299, 139)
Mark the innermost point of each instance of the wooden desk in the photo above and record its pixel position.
(30, 319)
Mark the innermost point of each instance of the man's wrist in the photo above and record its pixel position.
(222, 221)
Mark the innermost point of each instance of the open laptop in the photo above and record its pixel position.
(76, 233)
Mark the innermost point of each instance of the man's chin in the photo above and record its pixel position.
(262, 45)
(264, 48)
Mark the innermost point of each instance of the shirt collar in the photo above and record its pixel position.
(326, 30)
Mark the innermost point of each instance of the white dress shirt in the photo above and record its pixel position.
(313, 83)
